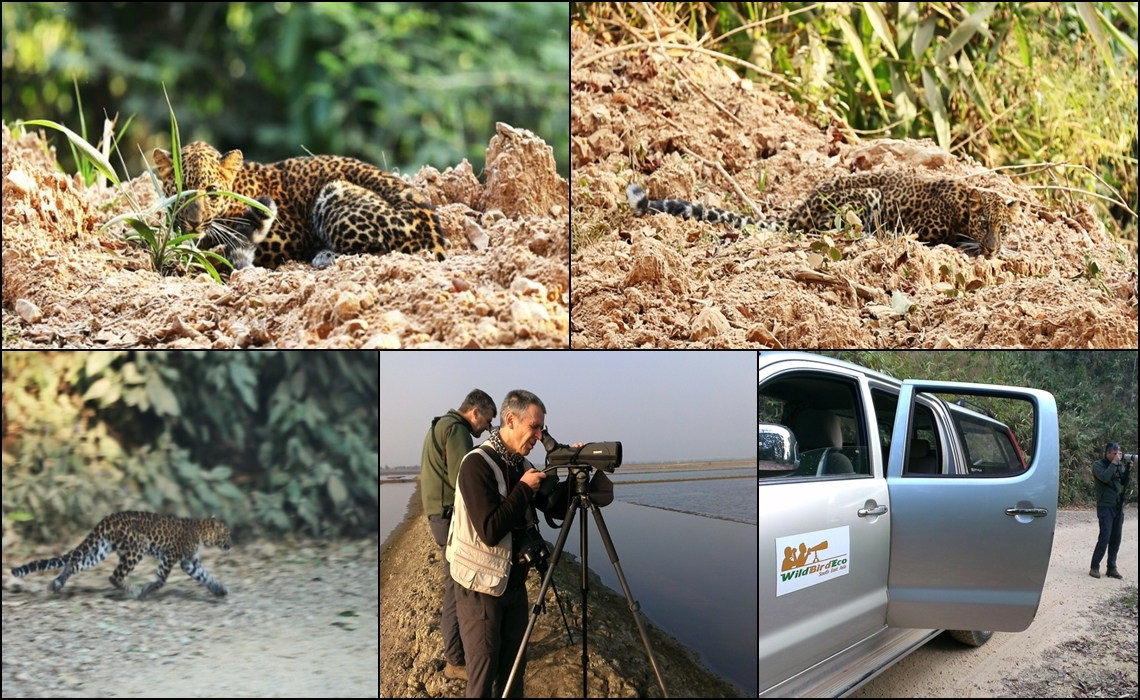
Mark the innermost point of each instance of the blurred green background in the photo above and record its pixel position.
(396, 84)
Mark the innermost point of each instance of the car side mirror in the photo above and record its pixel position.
(776, 449)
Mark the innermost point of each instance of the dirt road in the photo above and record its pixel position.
(1082, 643)
(300, 620)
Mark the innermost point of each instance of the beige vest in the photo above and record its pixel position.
(474, 565)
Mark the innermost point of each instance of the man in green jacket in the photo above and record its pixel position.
(450, 438)
(1111, 480)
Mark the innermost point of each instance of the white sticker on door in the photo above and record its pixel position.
(811, 558)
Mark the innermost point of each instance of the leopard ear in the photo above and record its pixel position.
(164, 164)
(1013, 205)
(231, 163)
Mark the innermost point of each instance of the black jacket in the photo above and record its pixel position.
(1111, 480)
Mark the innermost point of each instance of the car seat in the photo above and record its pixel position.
(818, 429)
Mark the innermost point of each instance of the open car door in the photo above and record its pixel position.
(971, 551)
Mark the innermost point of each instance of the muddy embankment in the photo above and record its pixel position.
(411, 644)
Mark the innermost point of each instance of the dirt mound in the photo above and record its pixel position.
(691, 129)
(67, 283)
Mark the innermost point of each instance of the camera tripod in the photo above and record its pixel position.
(578, 483)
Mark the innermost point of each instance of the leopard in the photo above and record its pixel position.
(320, 207)
(938, 210)
(134, 534)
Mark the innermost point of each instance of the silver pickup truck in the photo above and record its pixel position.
(890, 511)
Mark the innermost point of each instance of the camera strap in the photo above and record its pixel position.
(557, 503)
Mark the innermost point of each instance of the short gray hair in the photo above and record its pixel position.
(480, 400)
(519, 401)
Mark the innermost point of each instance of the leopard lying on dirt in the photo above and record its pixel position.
(134, 534)
(938, 210)
(322, 206)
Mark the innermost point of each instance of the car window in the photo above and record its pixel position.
(927, 449)
(811, 425)
(990, 447)
(982, 428)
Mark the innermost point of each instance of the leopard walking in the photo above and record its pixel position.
(135, 534)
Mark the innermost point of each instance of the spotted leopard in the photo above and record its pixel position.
(134, 534)
(321, 206)
(938, 210)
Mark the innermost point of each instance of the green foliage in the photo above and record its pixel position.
(168, 250)
(825, 252)
(1095, 393)
(179, 432)
(956, 279)
(1094, 275)
(60, 464)
(396, 84)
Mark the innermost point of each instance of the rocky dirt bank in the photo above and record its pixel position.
(411, 644)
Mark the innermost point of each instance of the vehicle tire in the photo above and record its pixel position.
(974, 639)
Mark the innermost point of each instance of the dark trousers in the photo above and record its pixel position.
(449, 625)
(1111, 523)
(492, 629)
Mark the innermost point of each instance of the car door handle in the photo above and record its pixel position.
(880, 510)
(1035, 512)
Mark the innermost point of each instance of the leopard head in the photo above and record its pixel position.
(214, 533)
(205, 169)
(991, 219)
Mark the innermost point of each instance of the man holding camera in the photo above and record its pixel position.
(493, 508)
(1111, 481)
(449, 440)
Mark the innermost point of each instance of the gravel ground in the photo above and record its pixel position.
(299, 621)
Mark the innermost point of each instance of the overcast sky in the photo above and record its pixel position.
(663, 406)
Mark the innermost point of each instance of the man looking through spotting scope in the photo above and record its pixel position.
(493, 508)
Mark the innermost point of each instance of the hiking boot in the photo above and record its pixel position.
(455, 673)
(1113, 573)
(1095, 573)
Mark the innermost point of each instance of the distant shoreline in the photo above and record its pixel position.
(409, 474)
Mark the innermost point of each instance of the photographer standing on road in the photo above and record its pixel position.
(449, 440)
(1111, 480)
(494, 493)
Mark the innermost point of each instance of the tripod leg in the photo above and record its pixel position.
(546, 581)
(563, 611)
(584, 503)
(633, 605)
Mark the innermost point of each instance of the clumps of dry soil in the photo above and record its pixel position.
(68, 282)
(683, 127)
(411, 644)
(1100, 664)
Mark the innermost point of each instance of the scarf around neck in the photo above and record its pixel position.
(514, 461)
